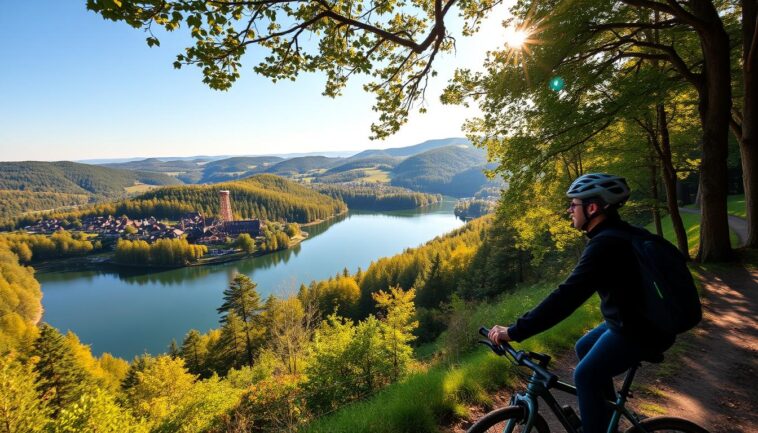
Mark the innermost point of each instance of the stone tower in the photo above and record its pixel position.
(226, 206)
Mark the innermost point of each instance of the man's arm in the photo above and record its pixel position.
(564, 300)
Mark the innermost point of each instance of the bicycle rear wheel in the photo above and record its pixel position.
(667, 424)
(498, 420)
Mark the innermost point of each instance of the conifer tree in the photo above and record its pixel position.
(21, 410)
(139, 364)
(231, 350)
(61, 381)
(192, 352)
(242, 298)
(173, 349)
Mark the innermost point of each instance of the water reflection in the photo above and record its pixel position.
(128, 310)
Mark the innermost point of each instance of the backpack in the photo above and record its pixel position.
(670, 299)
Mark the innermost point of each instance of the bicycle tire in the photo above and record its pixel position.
(667, 424)
(496, 420)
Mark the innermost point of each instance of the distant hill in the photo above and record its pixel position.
(74, 178)
(387, 162)
(435, 170)
(158, 165)
(411, 150)
(263, 196)
(203, 170)
(237, 168)
(290, 167)
(33, 185)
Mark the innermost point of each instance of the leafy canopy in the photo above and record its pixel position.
(394, 42)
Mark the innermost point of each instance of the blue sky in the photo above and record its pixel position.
(74, 86)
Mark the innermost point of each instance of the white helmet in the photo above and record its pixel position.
(612, 189)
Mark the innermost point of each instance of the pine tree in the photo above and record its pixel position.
(61, 381)
(173, 349)
(242, 298)
(193, 352)
(231, 351)
(21, 410)
(139, 364)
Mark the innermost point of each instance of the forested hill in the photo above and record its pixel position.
(377, 197)
(33, 185)
(303, 164)
(261, 196)
(203, 171)
(434, 170)
(74, 178)
(237, 168)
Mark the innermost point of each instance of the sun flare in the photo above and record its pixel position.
(515, 38)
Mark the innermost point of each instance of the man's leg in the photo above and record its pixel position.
(611, 355)
(584, 344)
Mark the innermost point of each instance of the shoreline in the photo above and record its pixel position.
(105, 260)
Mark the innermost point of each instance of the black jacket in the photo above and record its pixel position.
(607, 266)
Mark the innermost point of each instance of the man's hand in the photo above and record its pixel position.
(499, 334)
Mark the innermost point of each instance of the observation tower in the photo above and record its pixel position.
(226, 206)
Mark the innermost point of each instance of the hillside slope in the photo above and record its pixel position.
(434, 170)
(74, 178)
(411, 150)
(261, 196)
(35, 185)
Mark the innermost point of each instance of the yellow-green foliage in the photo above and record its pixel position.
(276, 404)
(161, 252)
(159, 387)
(20, 306)
(21, 410)
(96, 412)
(202, 409)
(107, 372)
(412, 268)
(59, 244)
(422, 402)
(335, 294)
(14, 203)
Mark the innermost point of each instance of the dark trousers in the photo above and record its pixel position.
(603, 354)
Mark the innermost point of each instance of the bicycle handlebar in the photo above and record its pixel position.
(521, 358)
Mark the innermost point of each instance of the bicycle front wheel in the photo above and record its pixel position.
(667, 424)
(513, 416)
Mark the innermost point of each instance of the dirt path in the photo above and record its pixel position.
(709, 377)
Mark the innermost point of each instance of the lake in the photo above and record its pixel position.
(130, 312)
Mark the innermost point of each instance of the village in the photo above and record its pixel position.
(195, 227)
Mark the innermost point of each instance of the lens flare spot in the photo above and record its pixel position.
(557, 84)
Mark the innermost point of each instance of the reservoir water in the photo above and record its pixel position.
(127, 313)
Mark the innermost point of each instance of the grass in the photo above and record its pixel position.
(443, 392)
(138, 188)
(376, 175)
(691, 223)
(652, 409)
(735, 205)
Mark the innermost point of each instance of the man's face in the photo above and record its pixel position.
(577, 215)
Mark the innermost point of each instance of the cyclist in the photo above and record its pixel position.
(607, 266)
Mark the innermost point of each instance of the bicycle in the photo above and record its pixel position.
(522, 415)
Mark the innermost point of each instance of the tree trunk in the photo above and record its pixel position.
(714, 105)
(749, 139)
(669, 181)
(655, 208)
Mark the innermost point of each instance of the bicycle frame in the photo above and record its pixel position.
(536, 388)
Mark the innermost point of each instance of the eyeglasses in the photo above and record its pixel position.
(573, 205)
